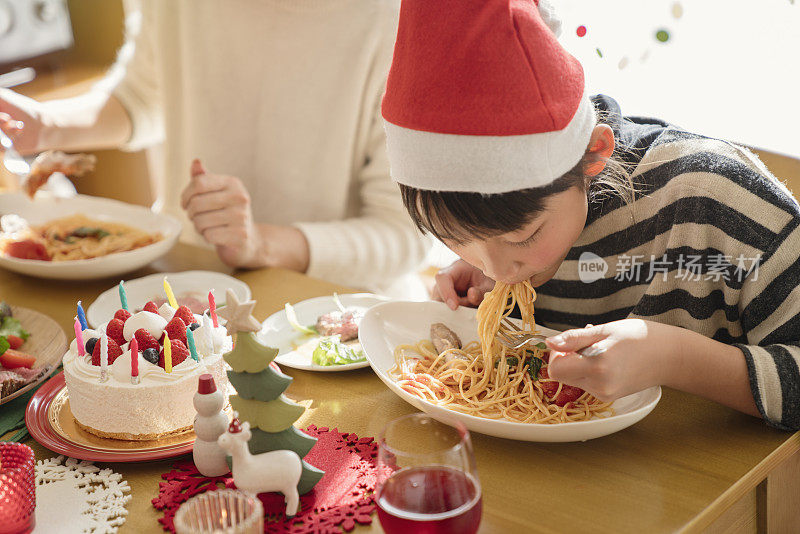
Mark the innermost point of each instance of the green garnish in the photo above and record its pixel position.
(534, 365)
(331, 351)
(4, 345)
(86, 231)
(12, 327)
(291, 316)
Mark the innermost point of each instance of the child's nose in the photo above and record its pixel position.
(502, 271)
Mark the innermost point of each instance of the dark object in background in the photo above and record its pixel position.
(32, 33)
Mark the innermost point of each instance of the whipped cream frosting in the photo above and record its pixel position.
(151, 322)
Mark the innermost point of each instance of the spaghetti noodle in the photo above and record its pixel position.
(487, 379)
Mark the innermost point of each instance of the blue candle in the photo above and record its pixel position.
(190, 342)
(82, 317)
(123, 298)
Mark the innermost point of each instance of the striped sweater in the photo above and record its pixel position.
(711, 244)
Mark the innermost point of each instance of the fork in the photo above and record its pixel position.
(520, 339)
(58, 184)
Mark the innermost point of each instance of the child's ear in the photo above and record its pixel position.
(601, 146)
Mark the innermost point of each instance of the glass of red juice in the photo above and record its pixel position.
(427, 481)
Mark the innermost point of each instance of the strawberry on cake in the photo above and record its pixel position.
(113, 396)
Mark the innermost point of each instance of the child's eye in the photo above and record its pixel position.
(527, 242)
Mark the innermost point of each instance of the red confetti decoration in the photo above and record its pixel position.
(581, 31)
(343, 498)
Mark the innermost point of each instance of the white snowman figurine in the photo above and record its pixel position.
(209, 423)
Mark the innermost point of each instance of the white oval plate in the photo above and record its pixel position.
(45, 209)
(277, 332)
(140, 290)
(394, 323)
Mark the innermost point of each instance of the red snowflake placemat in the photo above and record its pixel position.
(341, 499)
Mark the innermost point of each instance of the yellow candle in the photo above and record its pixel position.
(170, 294)
(167, 354)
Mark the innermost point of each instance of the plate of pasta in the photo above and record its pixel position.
(437, 360)
(80, 238)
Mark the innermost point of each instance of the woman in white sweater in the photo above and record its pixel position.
(281, 98)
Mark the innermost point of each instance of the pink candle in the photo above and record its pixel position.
(79, 337)
(212, 309)
(134, 345)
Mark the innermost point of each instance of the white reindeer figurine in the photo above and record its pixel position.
(268, 471)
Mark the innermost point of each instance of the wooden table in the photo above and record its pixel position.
(691, 465)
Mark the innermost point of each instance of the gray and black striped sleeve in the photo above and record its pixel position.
(770, 318)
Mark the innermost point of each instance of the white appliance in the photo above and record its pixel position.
(31, 29)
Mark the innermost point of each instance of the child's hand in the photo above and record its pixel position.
(633, 355)
(219, 208)
(461, 284)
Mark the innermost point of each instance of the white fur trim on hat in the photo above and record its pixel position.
(550, 17)
(487, 163)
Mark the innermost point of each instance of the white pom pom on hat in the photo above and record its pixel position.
(481, 97)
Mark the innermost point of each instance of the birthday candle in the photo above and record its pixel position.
(170, 294)
(134, 346)
(190, 342)
(167, 354)
(103, 358)
(79, 337)
(82, 317)
(123, 298)
(212, 308)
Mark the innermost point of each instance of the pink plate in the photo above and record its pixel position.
(38, 423)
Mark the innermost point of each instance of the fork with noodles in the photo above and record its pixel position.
(52, 161)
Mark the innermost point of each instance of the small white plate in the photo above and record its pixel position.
(140, 290)
(394, 323)
(45, 209)
(277, 332)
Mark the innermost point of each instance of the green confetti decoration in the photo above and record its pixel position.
(662, 36)
(599, 52)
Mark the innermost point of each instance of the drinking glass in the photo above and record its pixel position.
(427, 481)
(225, 510)
(17, 488)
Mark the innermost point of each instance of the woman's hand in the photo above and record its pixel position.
(461, 284)
(631, 355)
(20, 119)
(219, 208)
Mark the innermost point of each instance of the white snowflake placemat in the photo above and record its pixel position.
(76, 496)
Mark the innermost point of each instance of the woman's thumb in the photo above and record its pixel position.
(197, 168)
(575, 339)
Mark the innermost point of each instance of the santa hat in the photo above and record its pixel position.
(481, 97)
(235, 427)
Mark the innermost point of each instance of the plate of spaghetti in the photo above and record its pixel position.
(81, 237)
(450, 365)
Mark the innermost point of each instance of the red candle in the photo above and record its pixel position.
(134, 357)
(212, 309)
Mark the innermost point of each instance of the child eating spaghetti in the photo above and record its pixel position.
(679, 253)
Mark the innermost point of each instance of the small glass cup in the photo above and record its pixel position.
(427, 481)
(17, 488)
(225, 510)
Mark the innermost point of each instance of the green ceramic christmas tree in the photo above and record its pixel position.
(260, 400)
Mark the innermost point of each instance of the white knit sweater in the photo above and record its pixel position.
(283, 94)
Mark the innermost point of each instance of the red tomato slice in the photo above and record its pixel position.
(27, 250)
(12, 359)
(15, 341)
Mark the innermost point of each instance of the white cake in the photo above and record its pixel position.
(160, 403)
